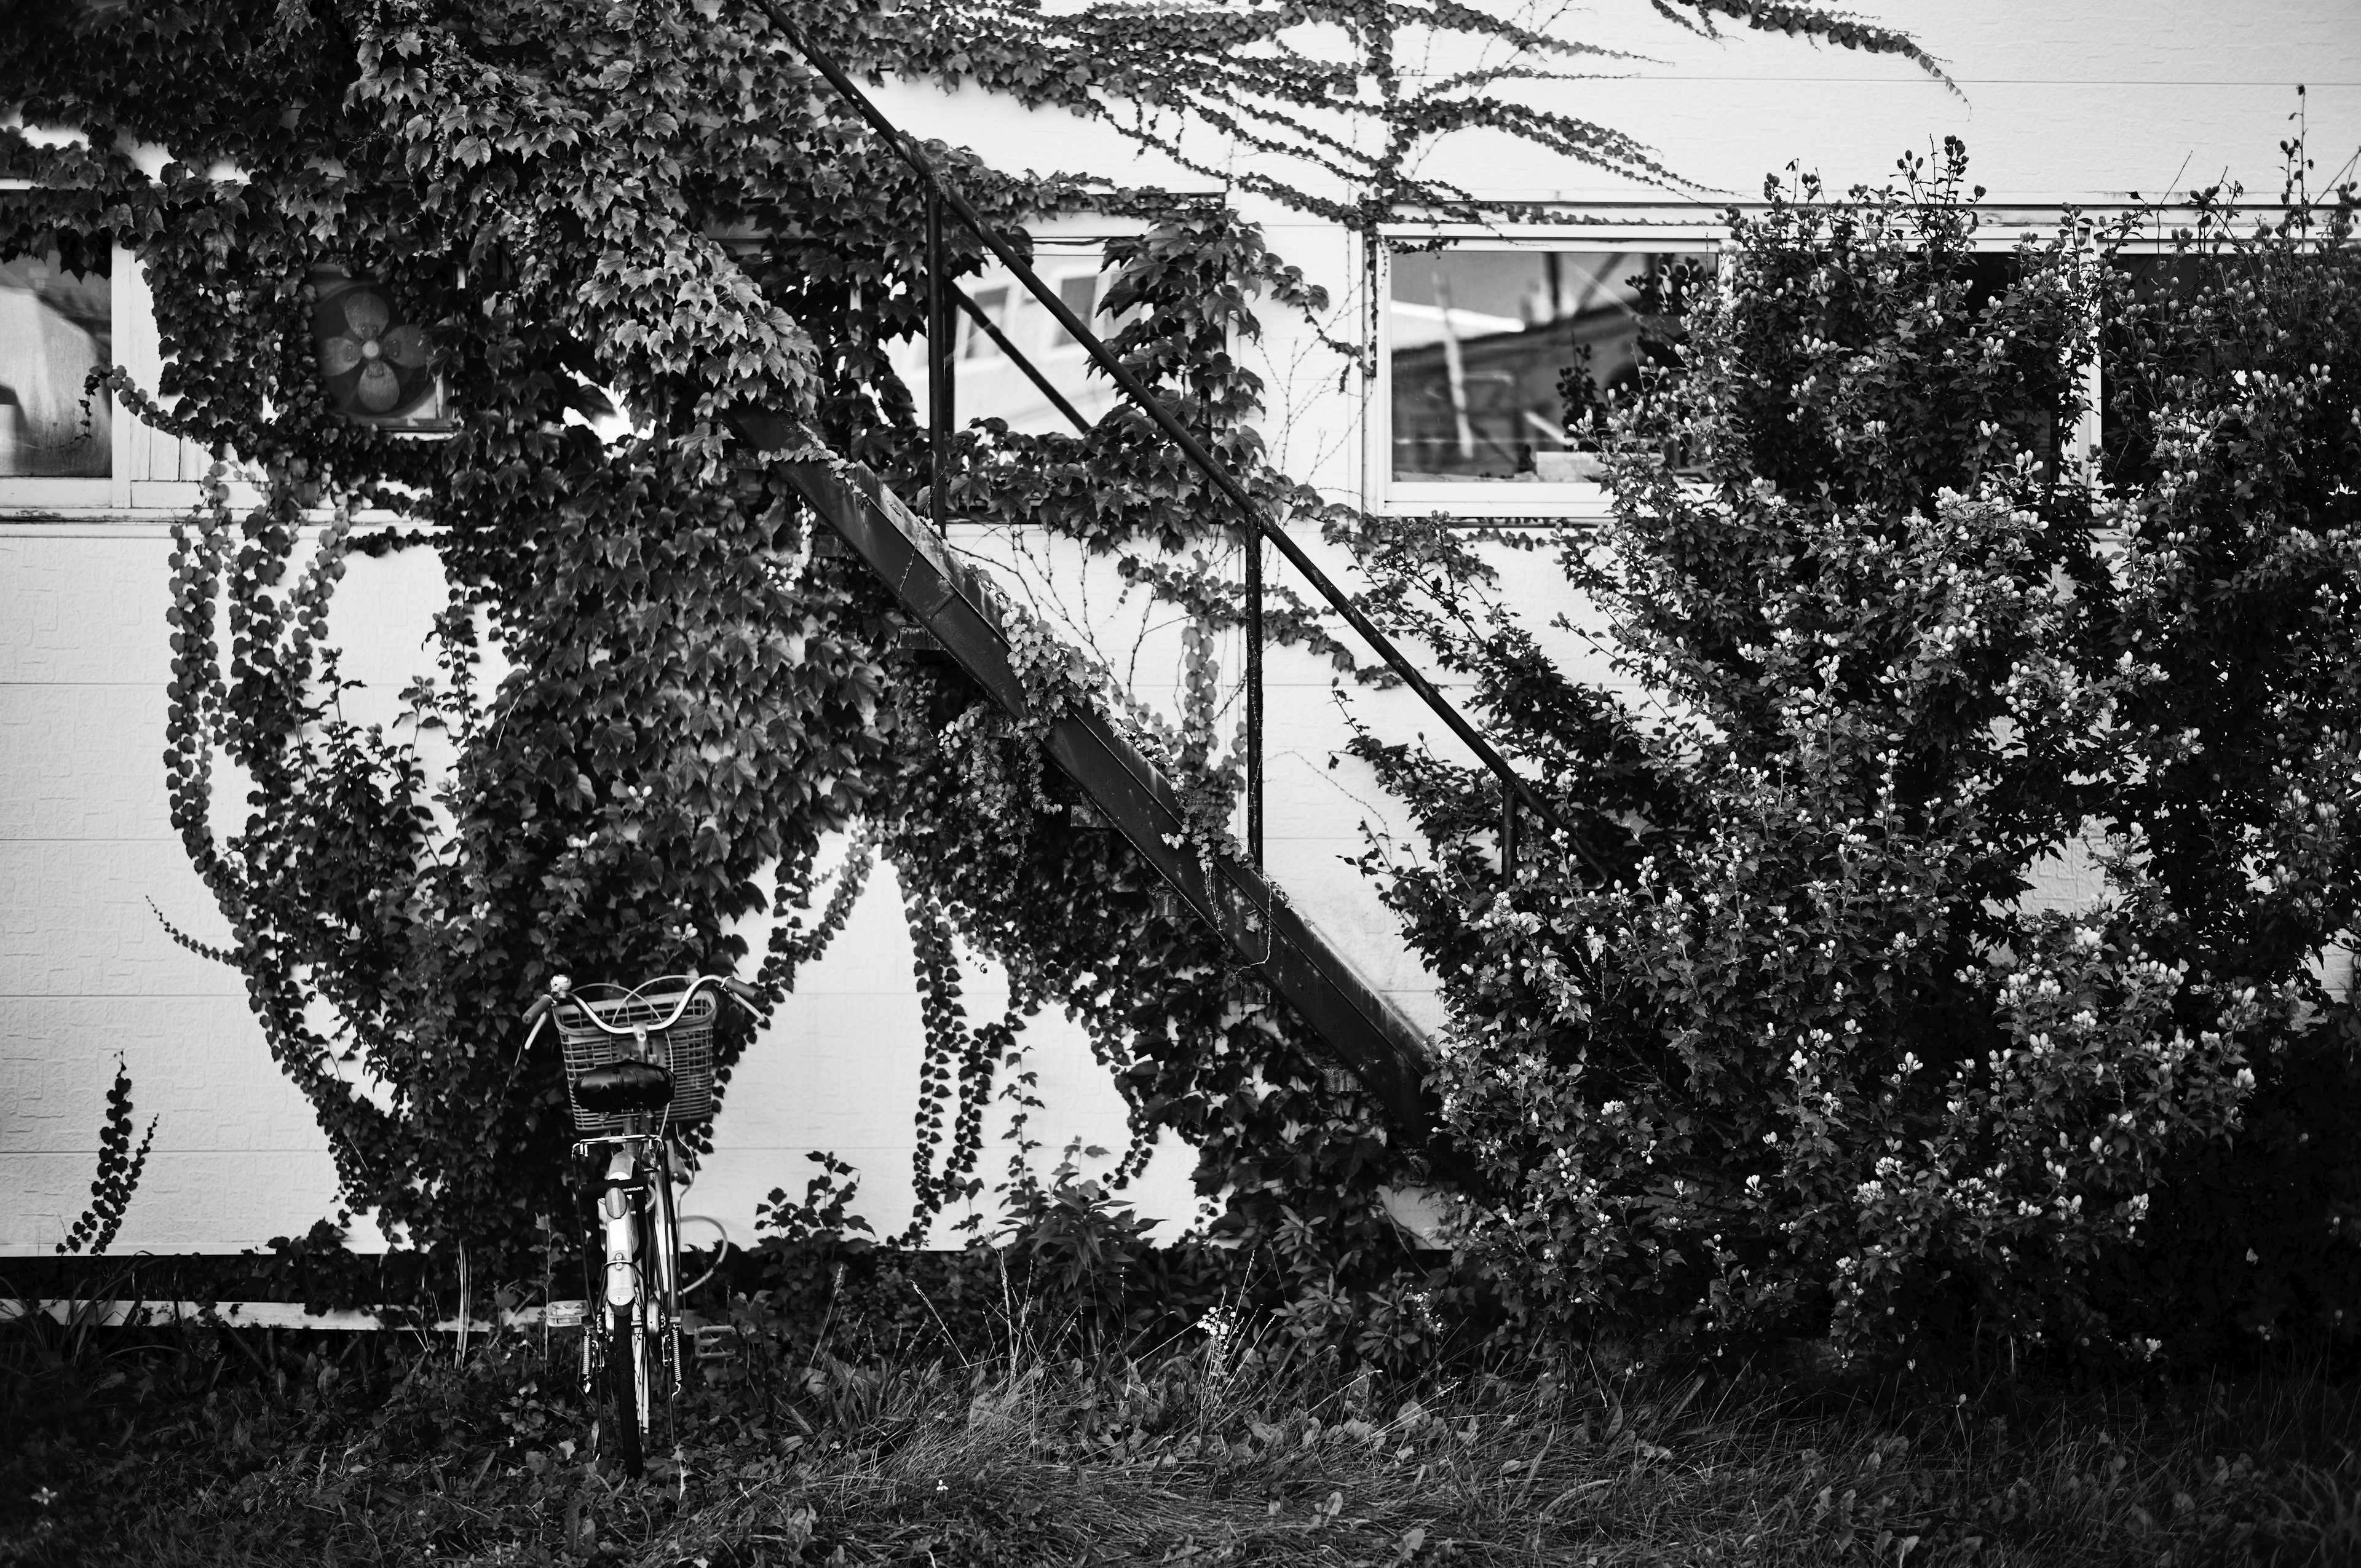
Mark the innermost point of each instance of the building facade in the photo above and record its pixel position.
(1451, 407)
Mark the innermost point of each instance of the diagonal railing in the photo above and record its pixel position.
(1515, 791)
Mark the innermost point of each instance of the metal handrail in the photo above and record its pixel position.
(1514, 788)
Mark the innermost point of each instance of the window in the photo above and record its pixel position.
(1486, 346)
(56, 327)
(974, 342)
(2165, 281)
(1079, 293)
(987, 384)
(1483, 344)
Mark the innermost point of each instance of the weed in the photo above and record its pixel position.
(119, 1167)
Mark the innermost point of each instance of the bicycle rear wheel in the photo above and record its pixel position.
(627, 1379)
(636, 1341)
(628, 1388)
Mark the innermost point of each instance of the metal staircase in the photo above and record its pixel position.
(956, 604)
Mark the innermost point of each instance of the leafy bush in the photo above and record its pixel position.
(1809, 1058)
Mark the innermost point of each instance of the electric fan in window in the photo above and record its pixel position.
(377, 368)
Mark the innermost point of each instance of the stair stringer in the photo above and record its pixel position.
(1371, 1038)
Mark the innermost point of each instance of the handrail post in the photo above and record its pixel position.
(1253, 532)
(939, 363)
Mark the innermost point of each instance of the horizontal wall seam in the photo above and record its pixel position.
(249, 1314)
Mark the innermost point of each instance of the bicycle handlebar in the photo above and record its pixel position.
(561, 989)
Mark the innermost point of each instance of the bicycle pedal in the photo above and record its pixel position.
(715, 1341)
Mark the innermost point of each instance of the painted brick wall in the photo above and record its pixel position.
(87, 971)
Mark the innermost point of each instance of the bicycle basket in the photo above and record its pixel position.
(687, 1048)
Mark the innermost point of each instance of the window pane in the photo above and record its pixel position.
(975, 344)
(56, 327)
(988, 384)
(2140, 359)
(1080, 294)
(1477, 341)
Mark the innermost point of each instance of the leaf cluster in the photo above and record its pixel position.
(119, 1168)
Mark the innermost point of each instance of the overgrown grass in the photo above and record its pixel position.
(205, 1446)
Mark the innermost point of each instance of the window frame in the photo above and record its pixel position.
(1480, 499)
(132, 347)
(135, 448)
(1657, 228)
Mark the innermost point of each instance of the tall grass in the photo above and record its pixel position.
(209, 1447)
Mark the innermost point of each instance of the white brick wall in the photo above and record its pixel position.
(86, 971)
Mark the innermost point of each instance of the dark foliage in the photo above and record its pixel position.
(1811, 1060)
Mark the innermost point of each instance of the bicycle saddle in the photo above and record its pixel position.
(624, 1087)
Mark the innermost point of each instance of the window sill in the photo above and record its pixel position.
(1575, 500)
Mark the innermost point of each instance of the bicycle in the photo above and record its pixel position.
(638, 1062)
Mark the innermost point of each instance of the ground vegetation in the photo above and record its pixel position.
(226, 1447)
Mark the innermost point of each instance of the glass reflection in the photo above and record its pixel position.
(56, 327)
(1479, 342)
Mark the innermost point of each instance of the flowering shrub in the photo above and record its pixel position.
(1810, 1057)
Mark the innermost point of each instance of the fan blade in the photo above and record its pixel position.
(407, 347)
(379, 388)
(366, 314)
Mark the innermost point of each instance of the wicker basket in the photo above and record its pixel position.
(687, 1048)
